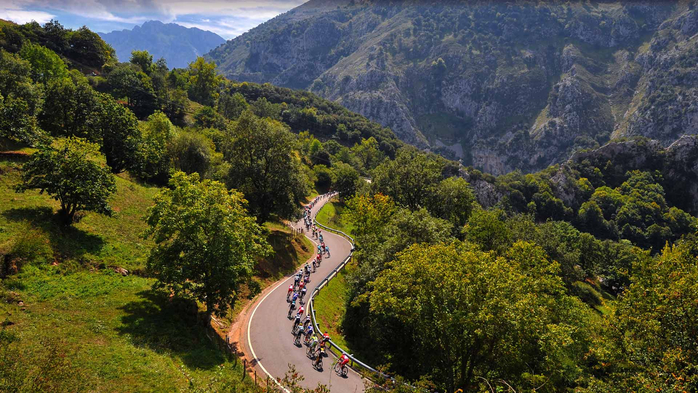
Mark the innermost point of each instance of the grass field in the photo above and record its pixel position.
(331, 216)
(71, 323)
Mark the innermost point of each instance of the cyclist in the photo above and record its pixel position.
(303, 292)
(314, 265)
(290, 291)
(341, 366)
(327, 250)
(298, 334)
(307, 322)
(319, 247)
(294, 297)
(296, 323)
(291, 308)
(317, 363)
(301, 285)
(301, 310)
(295, 280)
(313, 345)
(320, 237)
(309, 330)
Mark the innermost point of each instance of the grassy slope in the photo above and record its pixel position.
(330, 303)
(112, 333)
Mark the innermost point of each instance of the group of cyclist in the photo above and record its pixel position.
(316, 342)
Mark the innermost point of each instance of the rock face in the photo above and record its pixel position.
(176, 44)
(515, 85)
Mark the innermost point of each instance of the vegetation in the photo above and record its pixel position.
(205, 243)
(573, 278)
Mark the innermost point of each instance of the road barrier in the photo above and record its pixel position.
(324, 282)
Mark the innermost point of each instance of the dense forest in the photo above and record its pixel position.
(581, 277)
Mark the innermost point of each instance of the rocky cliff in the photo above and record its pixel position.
(500, 85)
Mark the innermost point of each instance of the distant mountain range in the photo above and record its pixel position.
(177, 44)
(501, 85)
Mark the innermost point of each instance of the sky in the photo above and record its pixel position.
(225, 18)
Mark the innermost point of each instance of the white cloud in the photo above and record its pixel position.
(22, 16)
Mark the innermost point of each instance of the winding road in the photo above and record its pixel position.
(266, 331)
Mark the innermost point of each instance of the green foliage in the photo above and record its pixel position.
(206, 244)
(144, 60)
(71, 109)
(89, 48)
(231, 106)
(46, 64)
(651, 343)
(452, 200)
(120, 138)
(346, 180)
(153, 159)
(128, 82)
(204, 82)
(408, 179)
(470, 314)
(264, 167)
(207, 117)
(192, 152)
(20, 100)
(71, 174)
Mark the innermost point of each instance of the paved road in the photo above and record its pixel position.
(269, 331)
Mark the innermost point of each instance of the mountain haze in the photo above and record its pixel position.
(503, 86)
(177, 44)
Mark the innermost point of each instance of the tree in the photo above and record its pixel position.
(120, 137)
(231, 106)
(70, 109)
(346, 180)
(368, 153)
(129, 82)
(205, 242)
(71, 174)
(408, 179)
(21, 100)
(470, 314)
(207, 117)
(153, 159)
(90, 48)
(265, 167)
(452, 200)
(203, 82)
(487, 229)
(191, 152)
(45, 63)
(652, 332)
(144, 60)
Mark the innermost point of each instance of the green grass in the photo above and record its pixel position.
(330, 307)
(331, 216)
(114, 333)
(83, 327)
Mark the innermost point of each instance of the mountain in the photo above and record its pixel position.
(500, 85)
(177, 44)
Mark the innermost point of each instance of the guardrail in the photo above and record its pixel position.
(324, 282)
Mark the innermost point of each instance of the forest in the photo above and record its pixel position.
(589, 287)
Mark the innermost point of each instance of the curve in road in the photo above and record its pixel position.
(269, 337)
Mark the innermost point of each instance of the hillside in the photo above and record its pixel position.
(176, 44)
(502, 86)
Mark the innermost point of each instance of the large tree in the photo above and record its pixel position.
(73, 174)
(120, 137)
(203, 81)
(265, 167)
(469, 314)
(205, 242)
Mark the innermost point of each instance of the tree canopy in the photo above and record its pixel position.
(205, 242)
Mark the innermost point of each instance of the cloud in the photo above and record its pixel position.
(227, 18)
(22, 16)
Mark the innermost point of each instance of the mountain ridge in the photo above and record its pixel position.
(177, 44)
(484, 82)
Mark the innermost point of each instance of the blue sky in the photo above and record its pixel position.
(225, 18)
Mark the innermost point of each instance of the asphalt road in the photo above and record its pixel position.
(269, 330)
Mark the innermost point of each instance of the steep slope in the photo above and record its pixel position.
(503, 86)
(176, 44)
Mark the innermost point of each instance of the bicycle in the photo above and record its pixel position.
(341, 370)
(317, 364)
(297, 340)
